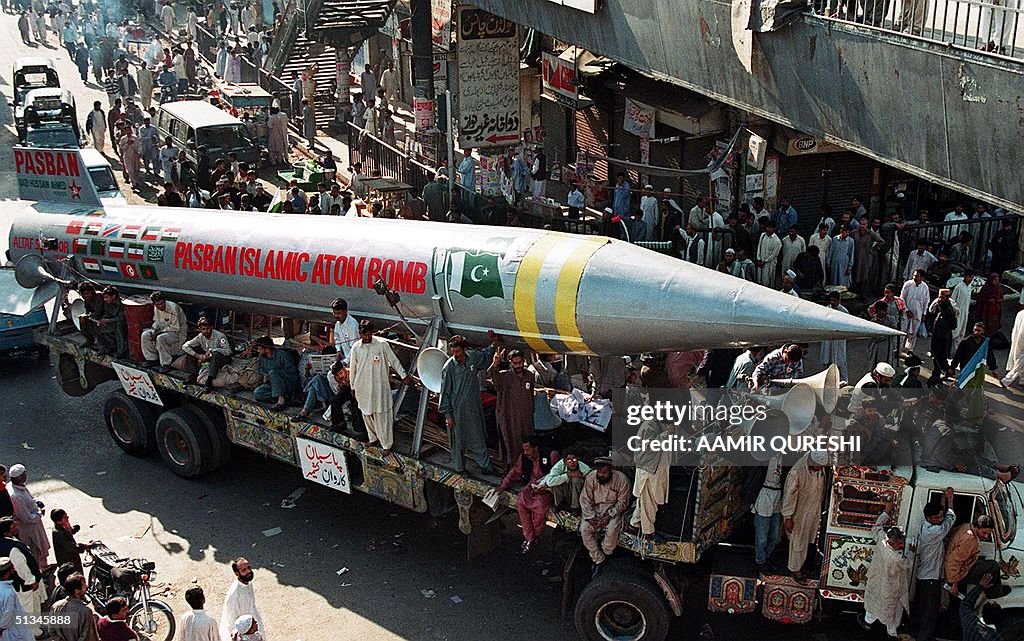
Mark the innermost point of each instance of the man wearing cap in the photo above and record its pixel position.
(10, 606)
(162, 341)
(912, 374)
(246, 628)
(28, 514)
(650, 485)
(801, 507)
(880, 377)
(603, 503)
(371, 361)
(27, 579)
(789, 283)
(240, 599)
(887, 592)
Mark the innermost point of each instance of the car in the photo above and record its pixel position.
(31, 73)
(46, 106)
(102, 177)
(52, 135)
(16, 332)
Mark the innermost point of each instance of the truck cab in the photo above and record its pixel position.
(49, 119)
(102, 176)
(31, 73)
(857, 495)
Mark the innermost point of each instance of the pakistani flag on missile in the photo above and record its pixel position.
(474, 274)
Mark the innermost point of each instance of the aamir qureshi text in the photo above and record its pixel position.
(792, 444)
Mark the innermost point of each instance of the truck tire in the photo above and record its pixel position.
(131, 423)
(183, 442)
(622, 606)
(212, 418)
(1011, 625)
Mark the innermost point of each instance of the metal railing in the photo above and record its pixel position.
(381, 159)
(993, 26)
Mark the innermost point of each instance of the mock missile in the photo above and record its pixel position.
(553, 292)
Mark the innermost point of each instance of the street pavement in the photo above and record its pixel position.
(193, 529)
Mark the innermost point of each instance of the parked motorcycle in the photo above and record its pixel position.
(111, 576)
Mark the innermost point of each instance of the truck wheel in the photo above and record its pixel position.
(212, 418)
(622, 606)
(67, 376)
(183, 442)
(131, 422)
(1011, 625)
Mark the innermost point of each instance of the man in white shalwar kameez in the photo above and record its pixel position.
(887, 593)
(768, 248)
(834, 351)
(961, 299)
(651, 210)
(650, 487)
(917, 298)
(29, 517)
(801, 507)
(240, 599)
(369, 363)
(823, 242)
(10, 606)
(792, 246)
(1015, 361)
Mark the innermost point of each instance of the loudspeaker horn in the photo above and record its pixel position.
(798, 404)
(775, 423)
(825, 385)
(76, 311)
(428, 367)
(31, 272)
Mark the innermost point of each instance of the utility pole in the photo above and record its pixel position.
(422, 50)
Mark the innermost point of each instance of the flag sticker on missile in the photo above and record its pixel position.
(155, 253)
(170, 234)
(74, 227)
(94, 228)
(131, 232)
(97, 247)
(474, 274)
(91, 264)
(136, 251)
(151, 233)
(116, 249)
(80, 245)
(148, 272)
(129, 270)
(110, 231)
(109, 267)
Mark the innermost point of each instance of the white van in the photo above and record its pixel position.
(102, 177)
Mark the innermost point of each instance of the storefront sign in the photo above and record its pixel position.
(323, 464)
(423, 114)
(559, 77)
(488, 64)
(639, 119)
(441, 23)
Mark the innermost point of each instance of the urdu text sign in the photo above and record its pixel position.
(488, 66)
(323, 464)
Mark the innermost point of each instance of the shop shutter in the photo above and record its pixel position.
(592, 136)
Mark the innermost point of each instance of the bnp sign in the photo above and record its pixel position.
(590, 6)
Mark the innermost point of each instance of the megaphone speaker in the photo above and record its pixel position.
(429, 365)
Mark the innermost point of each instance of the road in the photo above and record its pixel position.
(193, 529)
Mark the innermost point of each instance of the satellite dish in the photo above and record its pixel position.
(31, 272)
(76, 311)
(428, 365)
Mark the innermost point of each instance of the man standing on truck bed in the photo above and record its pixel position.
(938, 521)
(370, 363)
(460, 403)
(801, 507)
(515, 388)
(346, 329)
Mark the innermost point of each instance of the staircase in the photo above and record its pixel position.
(314, 32)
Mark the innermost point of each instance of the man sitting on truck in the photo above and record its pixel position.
(163, 340)
(565, 481)
(211, 348)
(603, 504)
(964, 566)
(280, 374)
(112, 336)
(532, 464)
(93, 311)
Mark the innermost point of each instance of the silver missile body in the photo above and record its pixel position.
(556, 292)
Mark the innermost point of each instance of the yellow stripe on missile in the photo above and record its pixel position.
(551, 269)
(566, 292)
(524, 297)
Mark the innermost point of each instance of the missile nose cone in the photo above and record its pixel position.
(683, 306)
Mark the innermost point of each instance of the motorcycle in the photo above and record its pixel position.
(111, 576)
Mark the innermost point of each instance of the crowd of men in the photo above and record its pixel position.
(33, 581)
